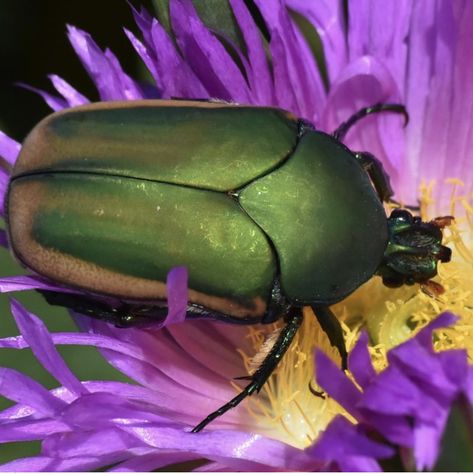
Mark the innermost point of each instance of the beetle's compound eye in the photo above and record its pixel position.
(401, 215)
(414, 249)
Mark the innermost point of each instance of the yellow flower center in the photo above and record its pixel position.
(287, 410)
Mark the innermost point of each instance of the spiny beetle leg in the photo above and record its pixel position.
(343, 129)
(270, 362)
(331, 326)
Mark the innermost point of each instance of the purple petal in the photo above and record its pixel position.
(136, 361)
(455, 366)
(427, 443)
(392, 393)
(128, 391)
(438, 98)
(327, 18)
(336, 383)
(363, 83)
(206, 55)
(56, 103)
(424, 336)
(22, 389)
(213, 391)
(299, 68)
(205, 339)
(9, 148)
(108, 442)
(148, 59)
(151, 462)
(460, 136)
(101, 409)
(366, 36)
(226, 445)
(441, 28)
(128, 87)
(426, 370)
(283, 90)
(49, 464)
(173, 72)
(104, 69)
(155, 361)
(399, 396)
(29, 282)
(144, 21)
(176, 285)
(73, 97)
(39, 339)
(359, 362)
(259, 76)
(343, 442)
(396, 429)
(28, 429)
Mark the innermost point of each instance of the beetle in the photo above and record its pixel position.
(267, 213)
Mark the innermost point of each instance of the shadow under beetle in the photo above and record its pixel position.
(267, 213)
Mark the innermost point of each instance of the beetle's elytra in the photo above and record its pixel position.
(267, 214)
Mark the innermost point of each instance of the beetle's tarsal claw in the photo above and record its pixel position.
(317, 393)
(443, 221)
(432, 288)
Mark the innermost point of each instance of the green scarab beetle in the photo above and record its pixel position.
(267, 214)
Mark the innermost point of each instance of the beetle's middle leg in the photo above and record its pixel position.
(293, 322)
(331, 326)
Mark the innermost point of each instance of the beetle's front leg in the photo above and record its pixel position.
(343, 128)
(270, 362)
(331, 326)
(377, 174)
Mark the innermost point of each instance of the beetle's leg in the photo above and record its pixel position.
(270, 362)
(342, 129)
(377, 174)
(379, 178)
(123, 316)
(331, 326)
(277, 305)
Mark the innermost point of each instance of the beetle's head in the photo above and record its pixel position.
(413, 250)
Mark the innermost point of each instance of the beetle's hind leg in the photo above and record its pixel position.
(270, 362)
(331, 326)
(123, 316)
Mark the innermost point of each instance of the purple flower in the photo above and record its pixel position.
(414, 53)
(407, 404)
(88, 425)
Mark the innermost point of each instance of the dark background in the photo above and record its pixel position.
(33, 44)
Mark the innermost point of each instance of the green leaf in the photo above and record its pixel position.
(216, 14)
(456, 452)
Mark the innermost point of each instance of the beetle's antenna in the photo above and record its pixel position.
(343, 129)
